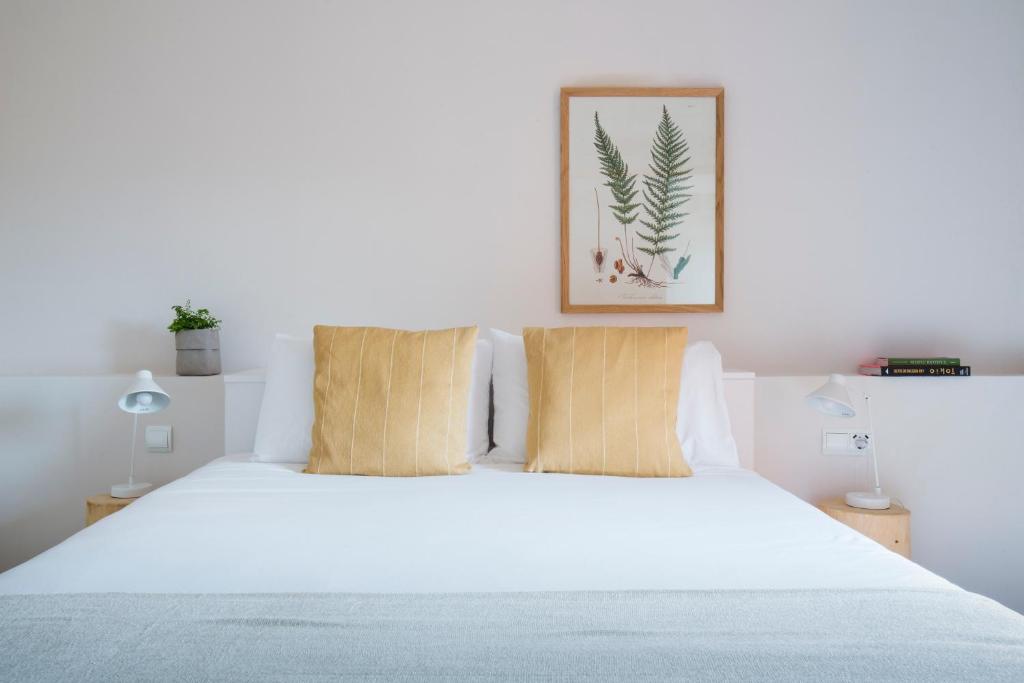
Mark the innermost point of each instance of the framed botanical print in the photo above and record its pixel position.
(642, 223)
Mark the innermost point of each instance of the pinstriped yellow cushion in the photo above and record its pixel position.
(390, 402)
(603, 400)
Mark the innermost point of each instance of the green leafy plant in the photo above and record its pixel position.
(664, 189)
(185, 318)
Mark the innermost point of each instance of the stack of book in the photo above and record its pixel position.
(936, 366)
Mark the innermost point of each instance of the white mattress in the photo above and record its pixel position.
(241, 526)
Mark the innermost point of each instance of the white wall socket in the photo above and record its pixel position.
(845, 443)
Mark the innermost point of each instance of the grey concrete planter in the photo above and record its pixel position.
(198, 352)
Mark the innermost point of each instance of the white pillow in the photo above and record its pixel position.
(702, 421)
(283, 433)
(511, 397)
(478, 438)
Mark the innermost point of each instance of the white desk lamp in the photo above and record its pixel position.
(143, 396)
(833, 398)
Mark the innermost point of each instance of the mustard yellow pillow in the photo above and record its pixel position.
(390, 402)
(603, 400)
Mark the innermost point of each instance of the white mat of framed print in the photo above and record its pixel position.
(642, 224)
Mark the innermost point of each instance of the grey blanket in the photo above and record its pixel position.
(620, 636)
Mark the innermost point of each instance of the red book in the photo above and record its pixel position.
(870, 368)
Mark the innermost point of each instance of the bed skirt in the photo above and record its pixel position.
(615, 636)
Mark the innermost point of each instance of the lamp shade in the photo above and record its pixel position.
(832, 398)
(144, 395)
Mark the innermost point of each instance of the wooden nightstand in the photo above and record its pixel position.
(889, 527)
(98, 507)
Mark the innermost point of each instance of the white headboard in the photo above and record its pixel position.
(243, 392)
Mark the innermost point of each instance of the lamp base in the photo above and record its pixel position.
(867, 501)
(129, 490)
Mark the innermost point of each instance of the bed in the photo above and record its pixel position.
(255, 571)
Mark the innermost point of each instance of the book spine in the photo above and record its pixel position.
(928, 371)
(952, 362)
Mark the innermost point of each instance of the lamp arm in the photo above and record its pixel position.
(874, 441)
(131, 462)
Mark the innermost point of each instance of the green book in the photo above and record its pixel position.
(937, 360)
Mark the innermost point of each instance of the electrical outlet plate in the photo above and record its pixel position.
(845, 443)
(159, 439)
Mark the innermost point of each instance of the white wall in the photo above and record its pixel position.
(950, 450)
(396, 163)
(63, 439)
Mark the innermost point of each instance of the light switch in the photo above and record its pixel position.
(836, 441)
(158, 439)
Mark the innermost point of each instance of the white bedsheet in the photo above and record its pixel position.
(241, 526)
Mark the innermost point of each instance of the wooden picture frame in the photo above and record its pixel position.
(645, 159)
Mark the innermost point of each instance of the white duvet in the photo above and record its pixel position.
(236, 526)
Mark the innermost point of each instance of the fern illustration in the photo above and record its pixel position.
(665, 189)
(623, 188)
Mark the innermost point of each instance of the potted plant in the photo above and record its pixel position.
(197, 340)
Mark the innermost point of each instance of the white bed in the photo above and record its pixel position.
(237, 526)
(255, 571)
